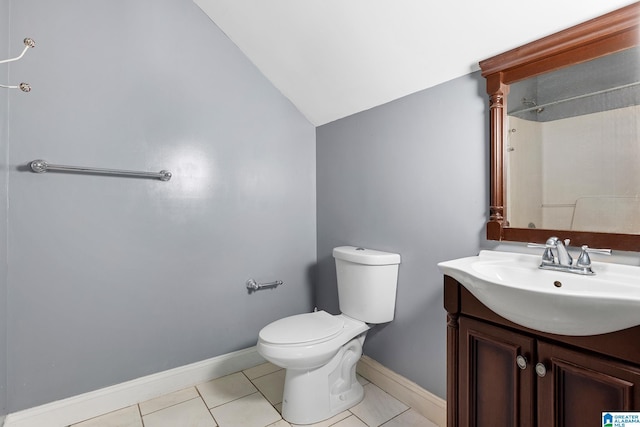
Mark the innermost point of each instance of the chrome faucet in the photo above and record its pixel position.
(563, 257)
(557, 257)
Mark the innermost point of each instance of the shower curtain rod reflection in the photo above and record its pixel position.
(41, 166)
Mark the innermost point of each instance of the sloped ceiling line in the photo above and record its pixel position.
(334, 58)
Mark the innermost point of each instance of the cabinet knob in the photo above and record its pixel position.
(521, 361)
(541, 370)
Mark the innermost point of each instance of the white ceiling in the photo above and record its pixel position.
(334, 58)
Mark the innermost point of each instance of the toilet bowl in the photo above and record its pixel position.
(319, 351)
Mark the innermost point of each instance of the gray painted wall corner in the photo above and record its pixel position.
(407, 177)
(5, 52)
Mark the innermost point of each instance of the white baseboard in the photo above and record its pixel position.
(425, 403)
(88, 405)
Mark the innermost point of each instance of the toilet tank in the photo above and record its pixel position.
(367, 282)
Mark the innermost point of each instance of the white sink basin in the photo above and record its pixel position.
(513, 286)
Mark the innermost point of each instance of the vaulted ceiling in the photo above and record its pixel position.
(334, 58)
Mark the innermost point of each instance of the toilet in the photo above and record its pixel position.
(319, 350)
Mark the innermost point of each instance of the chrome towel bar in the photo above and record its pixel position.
(41, 166)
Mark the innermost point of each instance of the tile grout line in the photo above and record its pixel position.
(263, 375)
(395, 416)
(170, 406)
(205, 404)
(140, 414)
(261, 393)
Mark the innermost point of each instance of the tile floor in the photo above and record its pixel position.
(252, 398)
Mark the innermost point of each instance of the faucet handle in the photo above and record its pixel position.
(547, 255)
(536, 245)
(596, 251)
(584, 260)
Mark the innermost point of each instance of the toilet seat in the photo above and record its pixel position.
(307, 328)
(307, 341)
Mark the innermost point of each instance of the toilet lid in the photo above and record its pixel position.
(302, 328)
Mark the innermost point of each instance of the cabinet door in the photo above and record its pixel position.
(494, 391)
(578, 387)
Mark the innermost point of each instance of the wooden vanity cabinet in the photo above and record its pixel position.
(494, 390)
(502, 374)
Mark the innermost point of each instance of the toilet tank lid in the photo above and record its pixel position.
(365, 256)
(302, 328)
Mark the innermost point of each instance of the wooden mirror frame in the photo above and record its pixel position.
(598, 37)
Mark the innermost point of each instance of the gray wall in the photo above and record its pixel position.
(407, 177)
(111, 279)
(114, 278)
(4, 53)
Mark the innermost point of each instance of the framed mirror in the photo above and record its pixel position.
(565, 136)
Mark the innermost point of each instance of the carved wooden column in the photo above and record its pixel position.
(452, 305)
(452, 370)
(497, 91)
